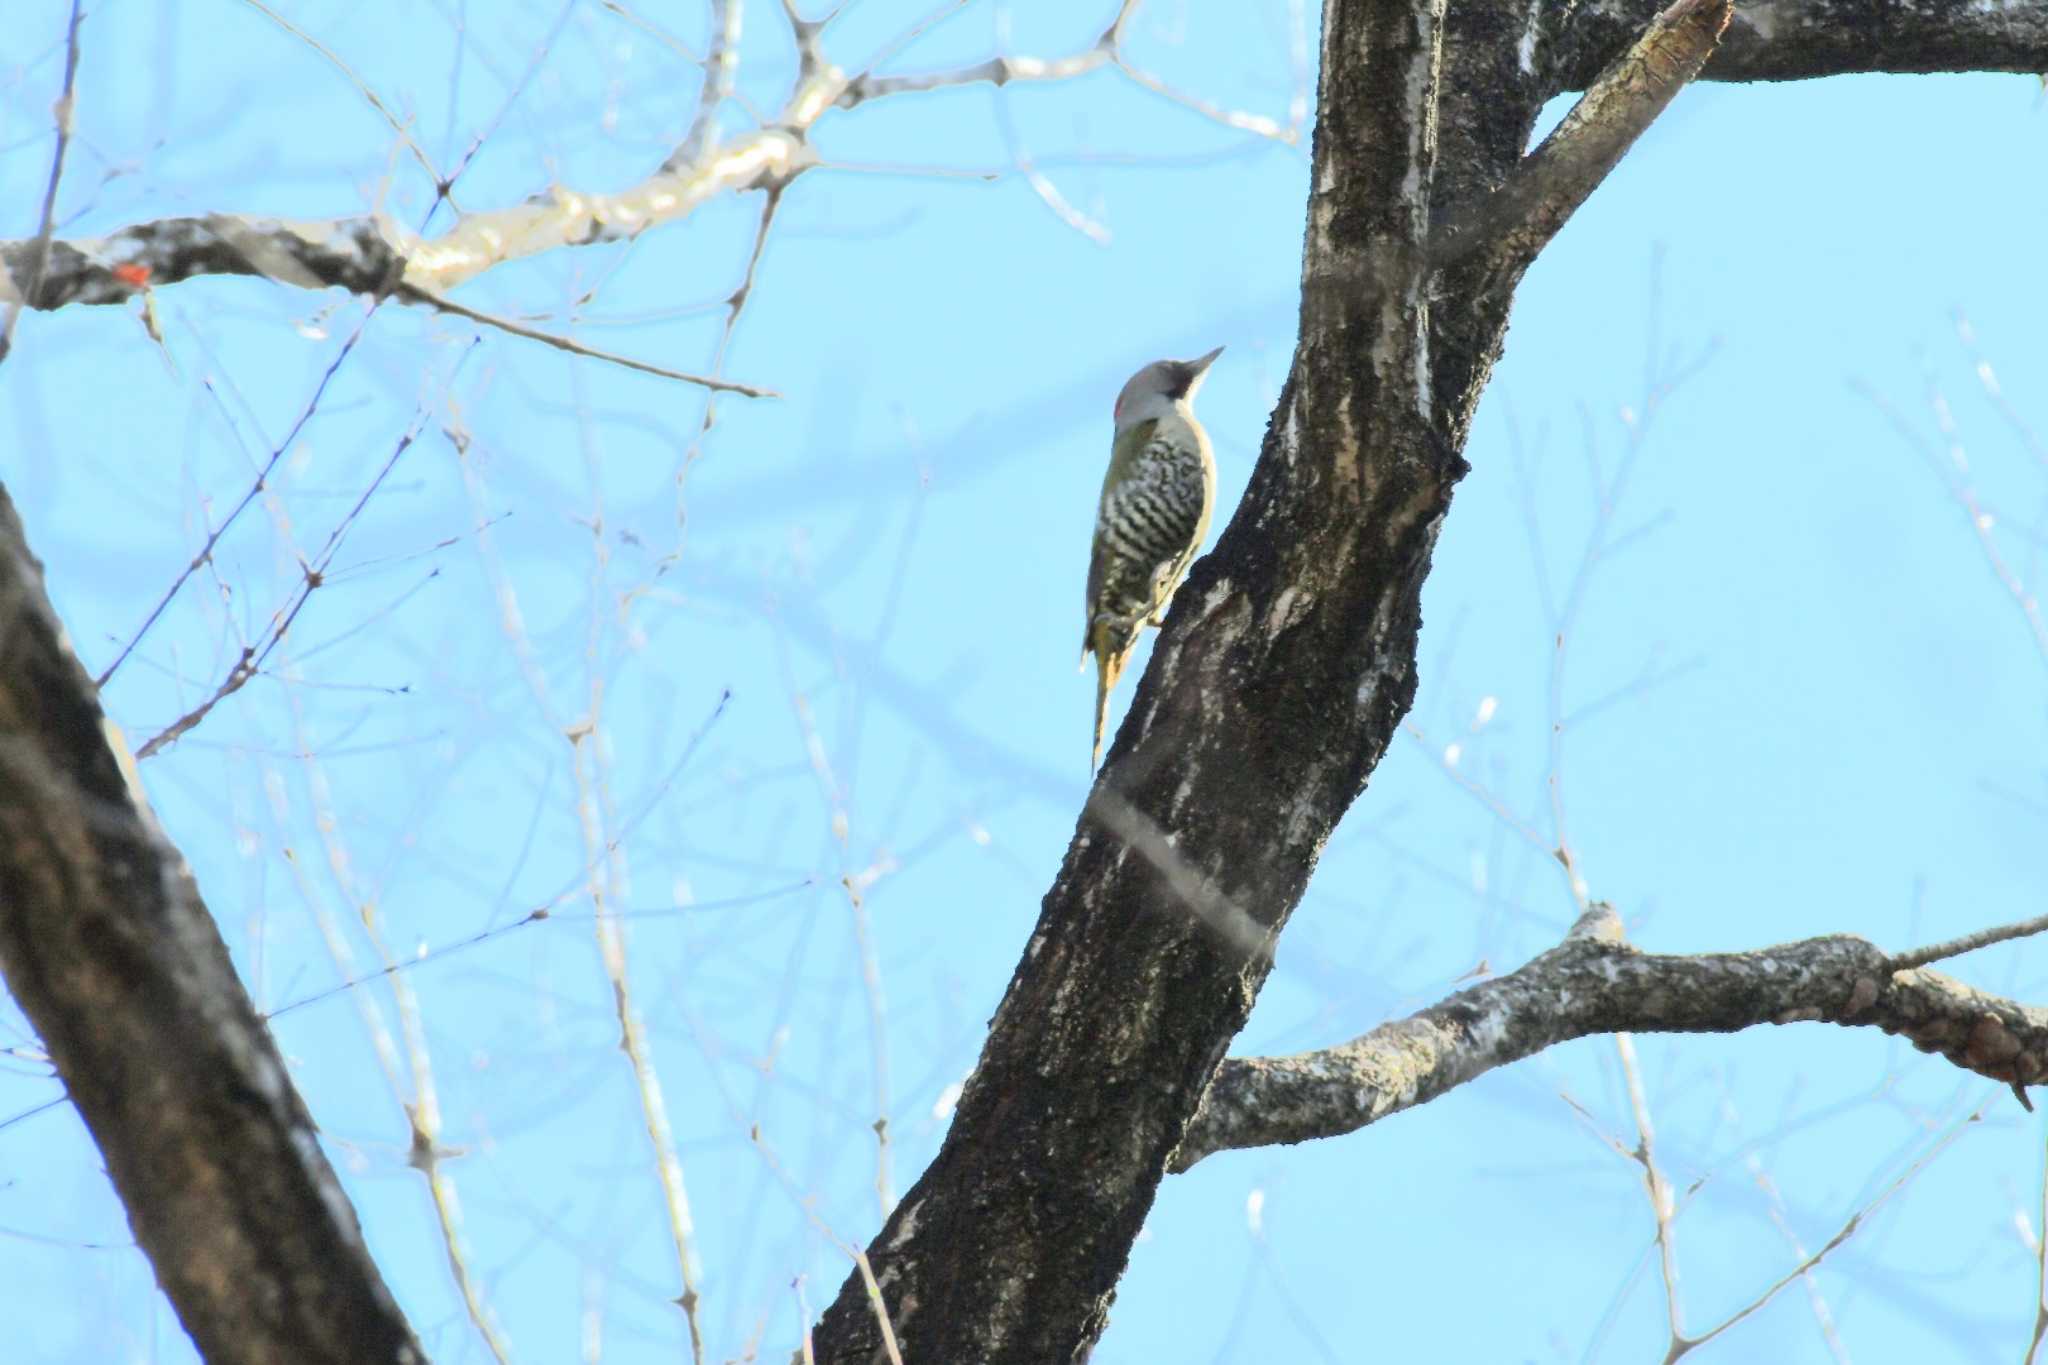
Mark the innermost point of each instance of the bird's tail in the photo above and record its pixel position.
(1112, 650)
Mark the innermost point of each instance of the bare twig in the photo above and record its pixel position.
(205, 553)
(1663, 1206)
(422, 1108)
(735, 304)
(1968, 943)
(1823, 1316)
(39, 248)
(562, 343)
(1683, 1345)
(2040, 1239)
(1042, 184)
(1953, 470)
(721, 70)
(865, 1269)
(312, 576)
(335, 60)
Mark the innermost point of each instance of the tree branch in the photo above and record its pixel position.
(1518, 219)
(113, 957)
(1594, 983)
(370, 253)
(1287, 659)
(36, 259)
(1782, 40)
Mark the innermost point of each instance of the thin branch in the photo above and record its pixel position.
(2040, 1240)
(562, 343)
(1968, 943)
(721, 72)
(371, 254)
(1780, 1216)
(1656, 1185)
(1681, 1345)
(261, 481)
(1952, 468)
(1042, 184)
(312, 576)
(855, 885)
(1258, 124)
(1592, 984)
(425, 1151)
(862, 1266)
(334, 59)
(997, 71)
(39, 248)
(1519, 218)
(735, 304)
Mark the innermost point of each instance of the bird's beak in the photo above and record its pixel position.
(1195, 370)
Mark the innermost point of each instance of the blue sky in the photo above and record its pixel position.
(1797, 697)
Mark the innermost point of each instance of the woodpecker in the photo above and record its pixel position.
(1155, 507)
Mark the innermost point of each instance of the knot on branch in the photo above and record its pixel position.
(1997, 1038)
(1600, 923)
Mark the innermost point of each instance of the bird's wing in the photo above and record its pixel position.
(1166, 510)
(1107, 559)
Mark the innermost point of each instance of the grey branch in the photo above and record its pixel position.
(1518, 219)
(114, 958)
(1780, 40)
(1593, 983)
(374, 254)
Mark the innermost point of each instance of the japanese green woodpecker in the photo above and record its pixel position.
(1155, 507)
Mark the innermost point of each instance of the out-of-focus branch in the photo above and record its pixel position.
(721, 70)
(113, 957)
(1595, 983)
(37, 257)
(373, 254)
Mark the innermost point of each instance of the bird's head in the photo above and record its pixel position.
(1156, 388)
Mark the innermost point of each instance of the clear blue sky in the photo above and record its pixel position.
(1797, 697)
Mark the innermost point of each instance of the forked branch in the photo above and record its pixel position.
(1518, 219)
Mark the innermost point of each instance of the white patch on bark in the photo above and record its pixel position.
(1326, 178)
(1487, 1034)
(1290, 434)
(1525, 50)
(906, 1229)
(1213, 598)
(1290, 606)
(1304, 814)
(1422, 384)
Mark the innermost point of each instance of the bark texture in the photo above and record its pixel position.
(1594, 983)
(1289, 657)
(116, 961)
(1287, 661)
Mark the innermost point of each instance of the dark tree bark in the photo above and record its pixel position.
(118, 964)
(1289, 656)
